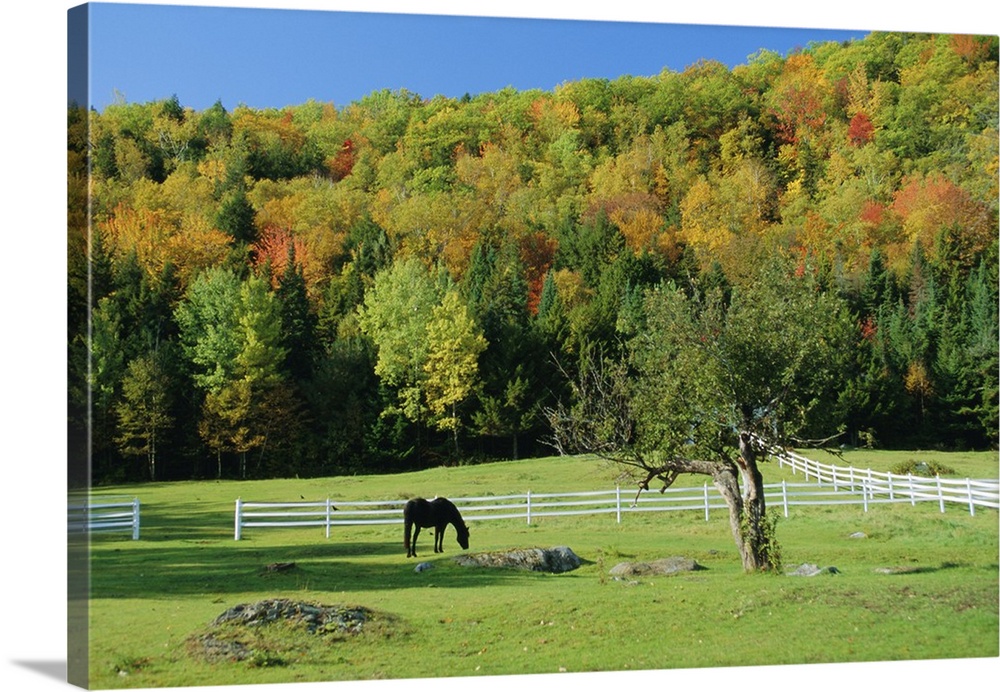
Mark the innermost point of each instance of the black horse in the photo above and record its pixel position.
(437, 513)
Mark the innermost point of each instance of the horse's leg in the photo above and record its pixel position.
(406, 537)
(413, 545)
(439, 539)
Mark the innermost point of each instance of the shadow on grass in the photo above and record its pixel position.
(193, 520)
(920, 569)
(189, 549)
(192, 568)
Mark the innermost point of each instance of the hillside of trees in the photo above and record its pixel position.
(406, 281)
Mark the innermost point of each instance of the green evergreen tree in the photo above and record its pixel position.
(236, 217)
(298, 321)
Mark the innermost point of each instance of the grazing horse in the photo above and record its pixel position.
(437, 513)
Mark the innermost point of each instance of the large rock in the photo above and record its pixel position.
(315, 617)
(556, 560)
(809, 570)
(906, 569)
(665, 565)
(241, 633)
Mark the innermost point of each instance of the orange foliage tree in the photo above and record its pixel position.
(929, 206)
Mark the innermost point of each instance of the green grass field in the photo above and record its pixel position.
(152, 597)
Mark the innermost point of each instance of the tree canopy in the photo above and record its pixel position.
(382, 284)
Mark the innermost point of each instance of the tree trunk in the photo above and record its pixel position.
(152, 457)
(751, 531)
(727, 483)
(747, 512)
(758, 551)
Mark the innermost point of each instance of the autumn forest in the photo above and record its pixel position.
(406, 281)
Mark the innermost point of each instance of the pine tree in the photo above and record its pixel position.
(236, 217)
(298, 321)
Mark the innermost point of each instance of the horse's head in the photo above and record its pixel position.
(463, 536)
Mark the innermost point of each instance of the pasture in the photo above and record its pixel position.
(152, 597)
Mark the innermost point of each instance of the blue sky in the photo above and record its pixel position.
(275, 58)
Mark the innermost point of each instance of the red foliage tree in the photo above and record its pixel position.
(872, 213)
(538, 252)
(273, 249)
(861, 130)
(341, 164)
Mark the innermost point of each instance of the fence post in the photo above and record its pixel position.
(328, 518)
(239, 510)
(527, 512)
(706, 501)
(913, 496)
(851, 476)
(135, 518)
(972, 503)
(784, 496)
(618, 503)
(940, 494)
(864, 494)
(892, 495)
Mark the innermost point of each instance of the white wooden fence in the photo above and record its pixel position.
(860, 488)
(98, 515)
(876, 487)
(526, 506)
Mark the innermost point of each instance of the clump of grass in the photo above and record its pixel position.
(130, 664)
(922, 468)
(265, 659)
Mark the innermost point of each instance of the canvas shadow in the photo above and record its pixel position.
(50, 669)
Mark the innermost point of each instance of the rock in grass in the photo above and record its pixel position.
(241, 632)
(809, 570)
(423, 567)
(666, 565)
(906, 569)
(315, 617)
(555, 560)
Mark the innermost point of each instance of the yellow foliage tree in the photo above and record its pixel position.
(454, 343)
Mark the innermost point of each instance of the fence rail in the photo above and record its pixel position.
(878, 487)
(103, 515)
(868, 489)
